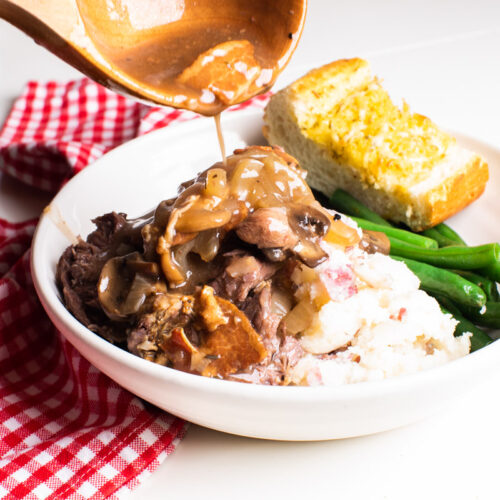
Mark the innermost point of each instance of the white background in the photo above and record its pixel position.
(443, 56)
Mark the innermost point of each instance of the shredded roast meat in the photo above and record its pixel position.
(168, 311)
(203, 282)
(78, 271)
(242, 273)
(258, 309)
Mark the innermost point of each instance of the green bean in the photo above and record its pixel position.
(489, 287)
(488, 316)
(456, 257)
(451, 285)
(400, 234)
(478, 340)
(492, 271)
(447, 304)
(443, 241)
(345, 203)
(447, 231)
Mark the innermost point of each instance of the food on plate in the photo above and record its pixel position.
(244, 276)
(342, 126)
(443, 267)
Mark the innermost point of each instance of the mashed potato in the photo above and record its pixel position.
(373, 322)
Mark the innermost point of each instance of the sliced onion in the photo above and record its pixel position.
(243, 266)
(216, 183)
(342, 234)
(179, 259)
(196, 220)
(300, 317)
(173, 273)
(281, 302)
(207, 244)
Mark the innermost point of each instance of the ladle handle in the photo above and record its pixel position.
(90, 35)
(51, 37)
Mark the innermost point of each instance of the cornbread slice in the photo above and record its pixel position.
(342, 126)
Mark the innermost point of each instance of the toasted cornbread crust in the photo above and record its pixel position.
(297, 112)
(457, 191)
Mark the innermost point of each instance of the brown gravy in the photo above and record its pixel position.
(229, 58)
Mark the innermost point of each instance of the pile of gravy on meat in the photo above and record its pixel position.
(203, 283)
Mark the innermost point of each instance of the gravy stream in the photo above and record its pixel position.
(220, 138)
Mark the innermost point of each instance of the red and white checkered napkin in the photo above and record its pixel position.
(67, 430)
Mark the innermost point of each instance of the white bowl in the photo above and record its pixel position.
(134, 178)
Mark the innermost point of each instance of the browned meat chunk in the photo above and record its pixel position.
(230, 343)
(168, 311)
(268, 228)
(168, 334)
(290, 352)
(107, 226)
(241, 275)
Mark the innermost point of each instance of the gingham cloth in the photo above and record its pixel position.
(67, 430)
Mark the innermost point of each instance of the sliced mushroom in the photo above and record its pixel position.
(162, 212)
(374, 241)
(308, 221)
(310, 253)
(275, 254)
(125, 283)
(310, 224)
(144, 267)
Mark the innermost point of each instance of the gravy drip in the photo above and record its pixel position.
(220, 138)
(54, 214)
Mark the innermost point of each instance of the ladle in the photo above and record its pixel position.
(141, 48)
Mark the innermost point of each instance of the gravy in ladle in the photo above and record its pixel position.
(178, 54)
(184, 56)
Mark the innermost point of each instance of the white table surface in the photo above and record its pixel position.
(443, 56)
